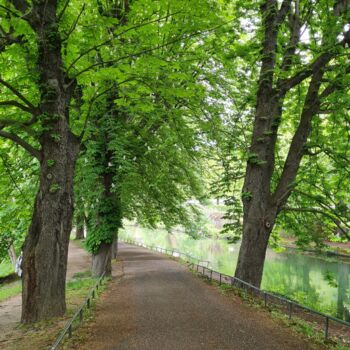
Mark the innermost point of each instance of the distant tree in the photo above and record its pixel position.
(144, 137)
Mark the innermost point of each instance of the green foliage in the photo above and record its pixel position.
(146, 133)
(17, 189)
(165, 99)
(317, 209)
(330, 278)
(50, 163)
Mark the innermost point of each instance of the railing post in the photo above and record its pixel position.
(326, 328)
(93, 294)
(220, 279)
(70, 331)
(290, 308)
(265, 299)
(81, 315)
(88, 303)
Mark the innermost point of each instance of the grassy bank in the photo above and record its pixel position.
(6, 268)
(9, 290)
(42, 334)
(311, 330)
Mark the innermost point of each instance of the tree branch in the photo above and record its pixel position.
(20, 5)
(15, 138)
(34, 110)
(139, 53)
(284, 9)
(335, 220)
(9, 11)
(60, 15)
(73, 26)
(106, 42)
(296, 150)
(295, 25)
(334, 86)
(14, 103)
(7, 38)
(288, 83)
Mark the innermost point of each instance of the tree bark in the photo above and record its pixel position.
(12, 255)
(46, 246)
(261, 204)
(115, 247)
(343, 285)
(256, 233)
(108, 213)
(102, 261)
(80, 228)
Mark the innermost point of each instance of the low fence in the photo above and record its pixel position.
(289, 306)
(78, 316)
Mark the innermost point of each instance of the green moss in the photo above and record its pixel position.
(54, 188)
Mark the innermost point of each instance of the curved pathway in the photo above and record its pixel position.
(159, 304)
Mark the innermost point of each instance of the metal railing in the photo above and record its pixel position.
(172, 252)
(79, 315)
(291, 306)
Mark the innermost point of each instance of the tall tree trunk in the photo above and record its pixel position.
(108, 213)
(12, 255)
(256, 233)
(102, 261)
(46, 246)
(261, 204)
(80, 227)
(115, 247)
(343, 285)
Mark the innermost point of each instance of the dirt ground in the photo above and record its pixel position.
(159, 304)
(10, 310)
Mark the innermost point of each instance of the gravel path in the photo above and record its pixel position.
(159, 304)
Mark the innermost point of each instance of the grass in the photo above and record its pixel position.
(42, 334)
(9, 290)
(6, 268)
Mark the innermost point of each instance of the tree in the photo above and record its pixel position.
(291, 66)
(143, 135)
(38, 88)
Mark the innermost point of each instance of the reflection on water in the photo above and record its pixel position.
(320, 283)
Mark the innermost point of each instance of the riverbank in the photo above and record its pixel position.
(336, 249)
